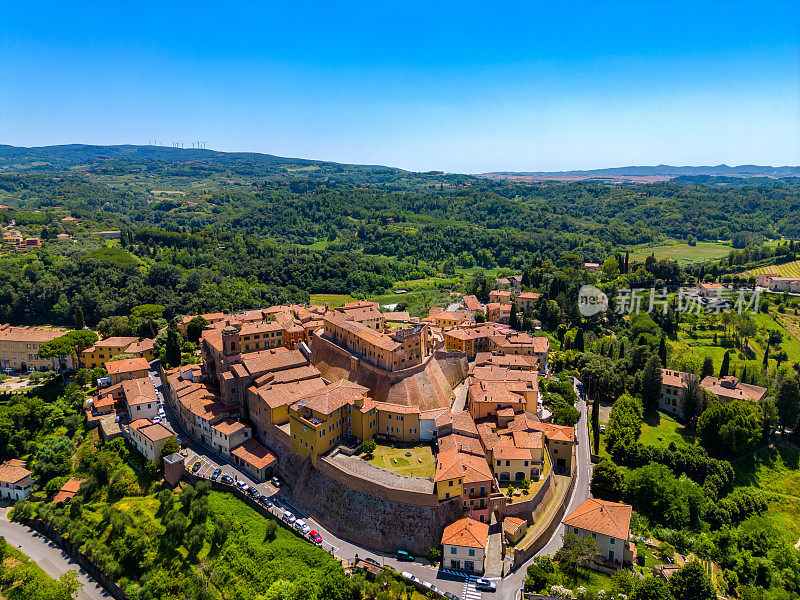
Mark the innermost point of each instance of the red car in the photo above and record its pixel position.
(315, 537)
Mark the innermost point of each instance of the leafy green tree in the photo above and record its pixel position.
(726, 364)
(733, 428)
(541, 573)
(53, 458)
(708, 367)
(662, 350)
(173, 347)
(691, 582)
(651, 382)
(480, 317)
(651, 588)
(596, 425)
(72, 342)
(77, 317)
(608, 482)
(513, 320)
(195, 328)
(574, 551)
(788, 402)
(369, 447)
(170, 446)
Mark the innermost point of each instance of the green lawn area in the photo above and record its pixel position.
(790, 343)
(682, 253)
(774, 470)
(333, 300)
(659, 429)
(420, 464)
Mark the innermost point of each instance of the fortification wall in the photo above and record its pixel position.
(424, 385)
(350, 512)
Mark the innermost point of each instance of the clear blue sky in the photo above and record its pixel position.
(457, 86)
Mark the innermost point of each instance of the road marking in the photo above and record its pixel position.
(469, 592)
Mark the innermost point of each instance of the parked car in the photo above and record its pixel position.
(301, 526)
(156, 419)
(252, 491)
(196, 466)
(315, 537)
(602, 428)
(404, 556)
(276, 482)
(227, 479)
(451, 596)
(410, 576)
(484, 584)
(217, 472)
(178, 439)
(372, 561)
(288, 517)
(267, 503)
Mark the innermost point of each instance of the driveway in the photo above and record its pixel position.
(48, 556)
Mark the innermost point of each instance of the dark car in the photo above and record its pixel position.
(451, 596)
(196, 466)
(372, 561)
(217, 472)
(485, 585)
(404, 556)
(227, 479)
(252, 491)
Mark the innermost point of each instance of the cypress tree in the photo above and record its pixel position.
(579, 343)
(726, 363)
(662, 351)
(596, 425)
(173, 347)
(622, 349)
(77, 316)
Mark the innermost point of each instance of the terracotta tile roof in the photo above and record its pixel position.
(561, 433)
(275, 395)
(518, 361)
(139, 347)
(463, 423)
(68, 490)
(508, 451)
(512, 524)
(275, 359)
(446, 418)
(675, 378)
(331, 397)
(599, 516)
(529, 295)
(116, 342)
(433, 413)
(29, 334)
(402, 409)
(139, 391)
(448, 466)
(730, 388)
(370, 336)
(229, 426)
(253, 327)
(476, 469)
(467, 533)
(127, 365)
(498, 373)
(152, 431)
(13, 470)
(455, 441)
(527, 439)
(471, 302)
(254, 454)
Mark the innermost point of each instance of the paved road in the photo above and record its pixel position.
(48, 556)
(512, 583)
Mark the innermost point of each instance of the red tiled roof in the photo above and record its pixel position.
(599, 516)
(467, 533)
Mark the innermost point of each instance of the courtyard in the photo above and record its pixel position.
(522, 495)
(412, 460)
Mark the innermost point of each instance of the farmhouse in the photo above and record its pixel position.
(609, 524)
(16, 481)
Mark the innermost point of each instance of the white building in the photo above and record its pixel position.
(16, 481)
(148, 438)
(227, 434)
(464, 545)
(140, 398)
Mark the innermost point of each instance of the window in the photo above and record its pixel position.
(453, 550)
(472, 552)
(612, 541)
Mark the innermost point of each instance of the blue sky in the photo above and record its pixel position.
(456, 86)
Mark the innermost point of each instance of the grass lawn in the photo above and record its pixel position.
(775, 471)
(420, 464)
(683, 253)
(790, 343)
(333, 300)
(659, 429)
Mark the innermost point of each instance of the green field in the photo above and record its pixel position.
(23, 579)
(333, 300)
(776, 471)
(682, 253)
(419, 464)
(659, 429)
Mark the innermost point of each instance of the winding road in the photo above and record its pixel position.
(54, 561)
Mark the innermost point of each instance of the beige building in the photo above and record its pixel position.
(464, 545)
(673, 391)
(255, 459)
(141, 398)
(526, 301)
(148, 437)
(127, 368)
(227, 434)
(19, 349)
(608, 523)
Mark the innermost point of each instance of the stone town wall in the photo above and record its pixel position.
(372, 521)
(531, 508)
(424, 385)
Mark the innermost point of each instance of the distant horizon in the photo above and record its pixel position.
(498, 172)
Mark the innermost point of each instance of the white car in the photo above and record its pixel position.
(301, 526)
(289, 517)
